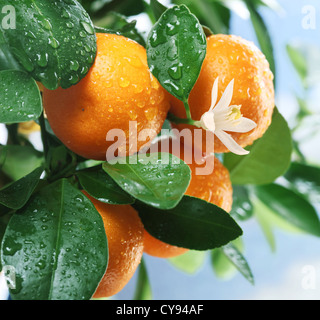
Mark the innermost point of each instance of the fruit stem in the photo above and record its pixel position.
(174, 119)
(187, 108)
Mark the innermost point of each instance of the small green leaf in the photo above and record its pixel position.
(55, 44)
(157, 8)
(20, 160)
(20, 98)
(189, 262)
(61, 252)
(120, 25)
(102, 187)
(306, 179)
(266, 220)
(143, 288)
(299, 62)
(237, 259)
(269, 156)
(16, 194)
(262, 34)
(193, 224)
(158, 179)
(242, 208)
(176, 48)
(290, 206)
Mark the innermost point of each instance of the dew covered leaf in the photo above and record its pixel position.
(20, 98)
(16, 194)
(158, 179)
(193, 224)
(56, 43)
(176, 47)
(102, 187)
(62, 243)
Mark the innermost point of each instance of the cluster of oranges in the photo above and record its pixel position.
(120, 88)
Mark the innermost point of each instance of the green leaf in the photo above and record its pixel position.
(234, 255)
(211, 13)
(119, 24)
(242, 208)
(269, 156)
(266, 219)
(262, 34)
(176, 48)
(189, 262)
(193, 224)
(157, 8)
(20, 160)
(16, 194)
(56, 43)
(143, 288)
(102, 187)
(299, 62)
(290, 206)
(61, 252)
(20, 98)
(305, 178)
(158, 179)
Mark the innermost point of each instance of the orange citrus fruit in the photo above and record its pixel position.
(215, 188)
(125, 236)
(232, 57)
(118, 88)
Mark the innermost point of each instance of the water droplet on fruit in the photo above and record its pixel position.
(123, 82)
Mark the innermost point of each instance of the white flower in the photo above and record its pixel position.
(222, 117)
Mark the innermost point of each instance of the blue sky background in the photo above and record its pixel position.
(280, 274)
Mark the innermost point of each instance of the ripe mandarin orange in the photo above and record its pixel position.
(125, 236)
(118, 88)
(215, 188)
(231, 57)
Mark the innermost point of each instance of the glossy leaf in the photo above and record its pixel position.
(62, 244)
(176, 47)
(102, 187)
(192, 224)
(20, 98)
(157, 8)
(238, 260)
(56, 43)
(262, 34)
(305, 178)
(269, 156)
(290, 206)
(16, 194)
(158, 179)
(242, 208)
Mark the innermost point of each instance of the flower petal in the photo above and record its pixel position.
(226, 98)
(242, 125)
(207, 121)
(228, 141)
(214, 93)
